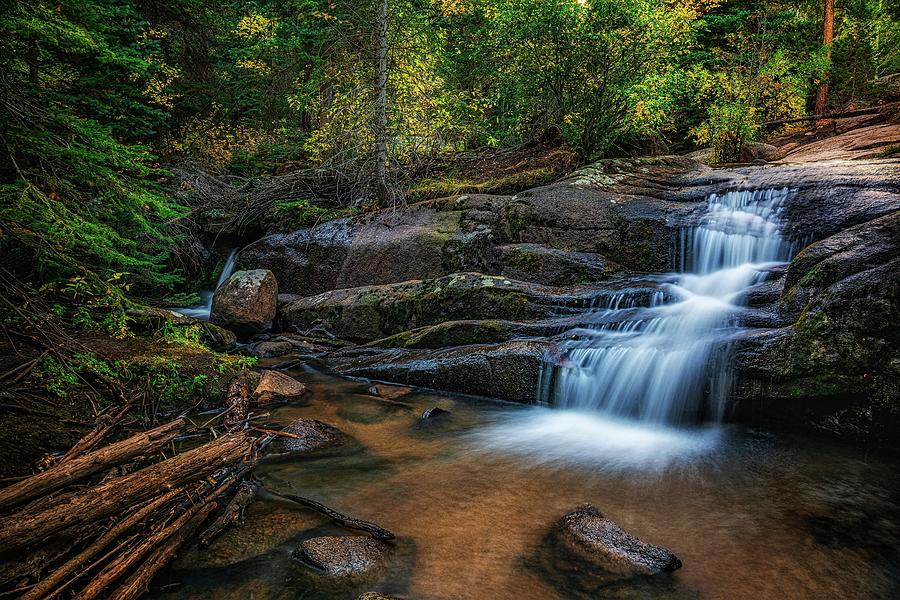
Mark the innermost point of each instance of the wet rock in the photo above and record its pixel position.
(277, 387)
(376, 596)
(373, 312)
(343, 556)
(270, 349)
(508, 371)
(311, 435)
(434, 413)
(246, 302)
(599, 541)
(834, 367)
(550, 266)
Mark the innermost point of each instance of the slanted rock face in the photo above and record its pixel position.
(837, 367)
(277, 387)
(343, 556)
(599, 541)
(373, 312)
(246, 302)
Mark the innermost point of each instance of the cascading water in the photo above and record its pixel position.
(202, 311)
(656, 363)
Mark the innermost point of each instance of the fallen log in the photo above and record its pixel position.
(124, 562)
(109, 497)
(49, 584)
(65, 473)
(339, 519)
(137, 585)
(233, 513)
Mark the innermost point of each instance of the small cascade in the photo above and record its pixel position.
(202, 311)
(665, 361)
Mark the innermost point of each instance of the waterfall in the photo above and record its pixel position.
(206, 296)
(660, 360)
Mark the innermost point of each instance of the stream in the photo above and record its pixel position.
(636, 429)
(471, 498)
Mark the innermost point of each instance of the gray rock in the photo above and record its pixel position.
(599, 541)
(508, 371)
(217, 338)
(246, 302)
(343, 556)
(270, 349)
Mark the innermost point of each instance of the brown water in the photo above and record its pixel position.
(471, 499)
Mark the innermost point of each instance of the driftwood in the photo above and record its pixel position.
(111, 496)
(65, 473)
(136, 585)
(233, 513)
(103, 427)
(49, 584)
(339, 519)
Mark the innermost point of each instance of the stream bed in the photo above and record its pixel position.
(472, 496)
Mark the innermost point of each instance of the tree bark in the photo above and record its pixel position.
(827, 39)
(63, 474)
(381, 26)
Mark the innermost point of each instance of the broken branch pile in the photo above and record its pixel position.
(102, 522)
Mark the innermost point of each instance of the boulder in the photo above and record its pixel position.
(597, 540)
(623, 210)
(311, 435)
(343, 556)
(246, 302)
(270, 349)
(275, 386)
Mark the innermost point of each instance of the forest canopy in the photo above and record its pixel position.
(101, 98)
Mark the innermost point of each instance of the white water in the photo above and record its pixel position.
(656, 364)
(202, 311)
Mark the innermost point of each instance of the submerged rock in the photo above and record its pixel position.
(343, 556)
(311, 435)
(274, 386)
(599, 541)
(434, 413)
(246, 302)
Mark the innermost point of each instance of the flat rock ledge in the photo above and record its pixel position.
(343, 556)
(599, 541)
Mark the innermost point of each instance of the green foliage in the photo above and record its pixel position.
(729, 127)
(75, 191)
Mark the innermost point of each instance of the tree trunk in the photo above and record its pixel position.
(381, 26)
(827, 39)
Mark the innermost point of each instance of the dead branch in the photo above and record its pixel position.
(67, 472)
(109, 497)
(339, 519)
(233, 513)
